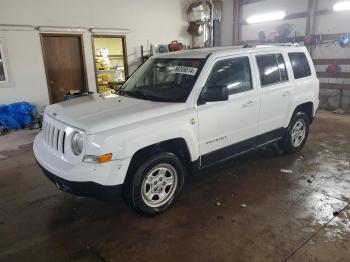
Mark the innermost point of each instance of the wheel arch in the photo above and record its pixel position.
(176, 146)
(307, 108)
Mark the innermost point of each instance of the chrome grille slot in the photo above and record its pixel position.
(47, 133)
(57, 139)
(63, 141)
(55, 136)
(52, 136)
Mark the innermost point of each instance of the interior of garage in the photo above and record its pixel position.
(261, 206)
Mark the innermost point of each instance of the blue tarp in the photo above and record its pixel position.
(16, 115)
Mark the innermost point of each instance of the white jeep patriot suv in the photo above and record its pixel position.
(179, 112)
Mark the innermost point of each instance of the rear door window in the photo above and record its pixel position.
(300, 65)
(282, 67)
(272, 69)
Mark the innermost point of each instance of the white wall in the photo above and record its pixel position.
(149, 21)
(26, 68)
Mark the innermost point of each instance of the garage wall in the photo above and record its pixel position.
(148, 21)
(332, 23)
(329, 24)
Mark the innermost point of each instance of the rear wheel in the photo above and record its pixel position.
(296, 133)
(156, 184)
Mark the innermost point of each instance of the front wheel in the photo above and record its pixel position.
(296, 133)
(156, 184)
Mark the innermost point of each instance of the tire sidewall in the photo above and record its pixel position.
(136, 183)
(288, 144)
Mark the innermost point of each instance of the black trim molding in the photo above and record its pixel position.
(242, 147)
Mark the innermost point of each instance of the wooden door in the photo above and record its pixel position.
(64, 64)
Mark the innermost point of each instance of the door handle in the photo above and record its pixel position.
(287, 93)
(51, 82)
(249, 103)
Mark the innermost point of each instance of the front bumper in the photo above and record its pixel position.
(80, 178)
(86, 189)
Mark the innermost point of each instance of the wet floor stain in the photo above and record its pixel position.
(263, 214)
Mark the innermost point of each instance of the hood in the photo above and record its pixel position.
(95, 113)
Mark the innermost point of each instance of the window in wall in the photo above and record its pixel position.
(300, 65)
(234, 73)
(3, 71)
(110, 62)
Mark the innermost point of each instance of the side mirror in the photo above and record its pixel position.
(214, 94)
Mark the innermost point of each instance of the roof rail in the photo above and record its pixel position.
(249, 45)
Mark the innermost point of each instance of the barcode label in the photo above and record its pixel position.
(185, 70)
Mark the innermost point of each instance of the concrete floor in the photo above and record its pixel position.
(289, 216)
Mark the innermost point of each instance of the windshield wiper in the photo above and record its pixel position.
(143, 95)
(136, 94)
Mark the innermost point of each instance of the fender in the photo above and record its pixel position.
(301, 98)
(123, 142)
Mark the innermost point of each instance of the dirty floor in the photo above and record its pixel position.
(243, 210)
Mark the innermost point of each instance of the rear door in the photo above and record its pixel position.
(275, 94)
(227, 128)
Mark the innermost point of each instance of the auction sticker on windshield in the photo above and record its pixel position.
(185, 70)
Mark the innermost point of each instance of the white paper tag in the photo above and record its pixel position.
(185, 70)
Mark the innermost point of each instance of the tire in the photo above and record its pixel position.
(150, 191)
(296, 133)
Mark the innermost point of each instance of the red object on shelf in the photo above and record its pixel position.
(333, 69)
(175, 46)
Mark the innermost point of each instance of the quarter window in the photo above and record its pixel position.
(272, 69)
(233, 73)
(300, 65)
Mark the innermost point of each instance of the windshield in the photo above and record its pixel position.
(164, 79)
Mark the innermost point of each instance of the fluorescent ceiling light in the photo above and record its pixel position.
(266, 17)
(342, 6)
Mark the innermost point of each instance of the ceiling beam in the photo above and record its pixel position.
(334, 86)
(247, 2)
(310, 17)
(338, 75)
(340, 61)
(236, 21)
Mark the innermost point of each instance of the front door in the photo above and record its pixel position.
(227, 128)
(64, 64)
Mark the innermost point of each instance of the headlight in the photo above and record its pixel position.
(77, 143)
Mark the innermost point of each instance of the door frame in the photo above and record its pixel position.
(123, 37)
(42, 35)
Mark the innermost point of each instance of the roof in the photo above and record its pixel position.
(204, 52)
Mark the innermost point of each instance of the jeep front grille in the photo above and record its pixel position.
(54, 137)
